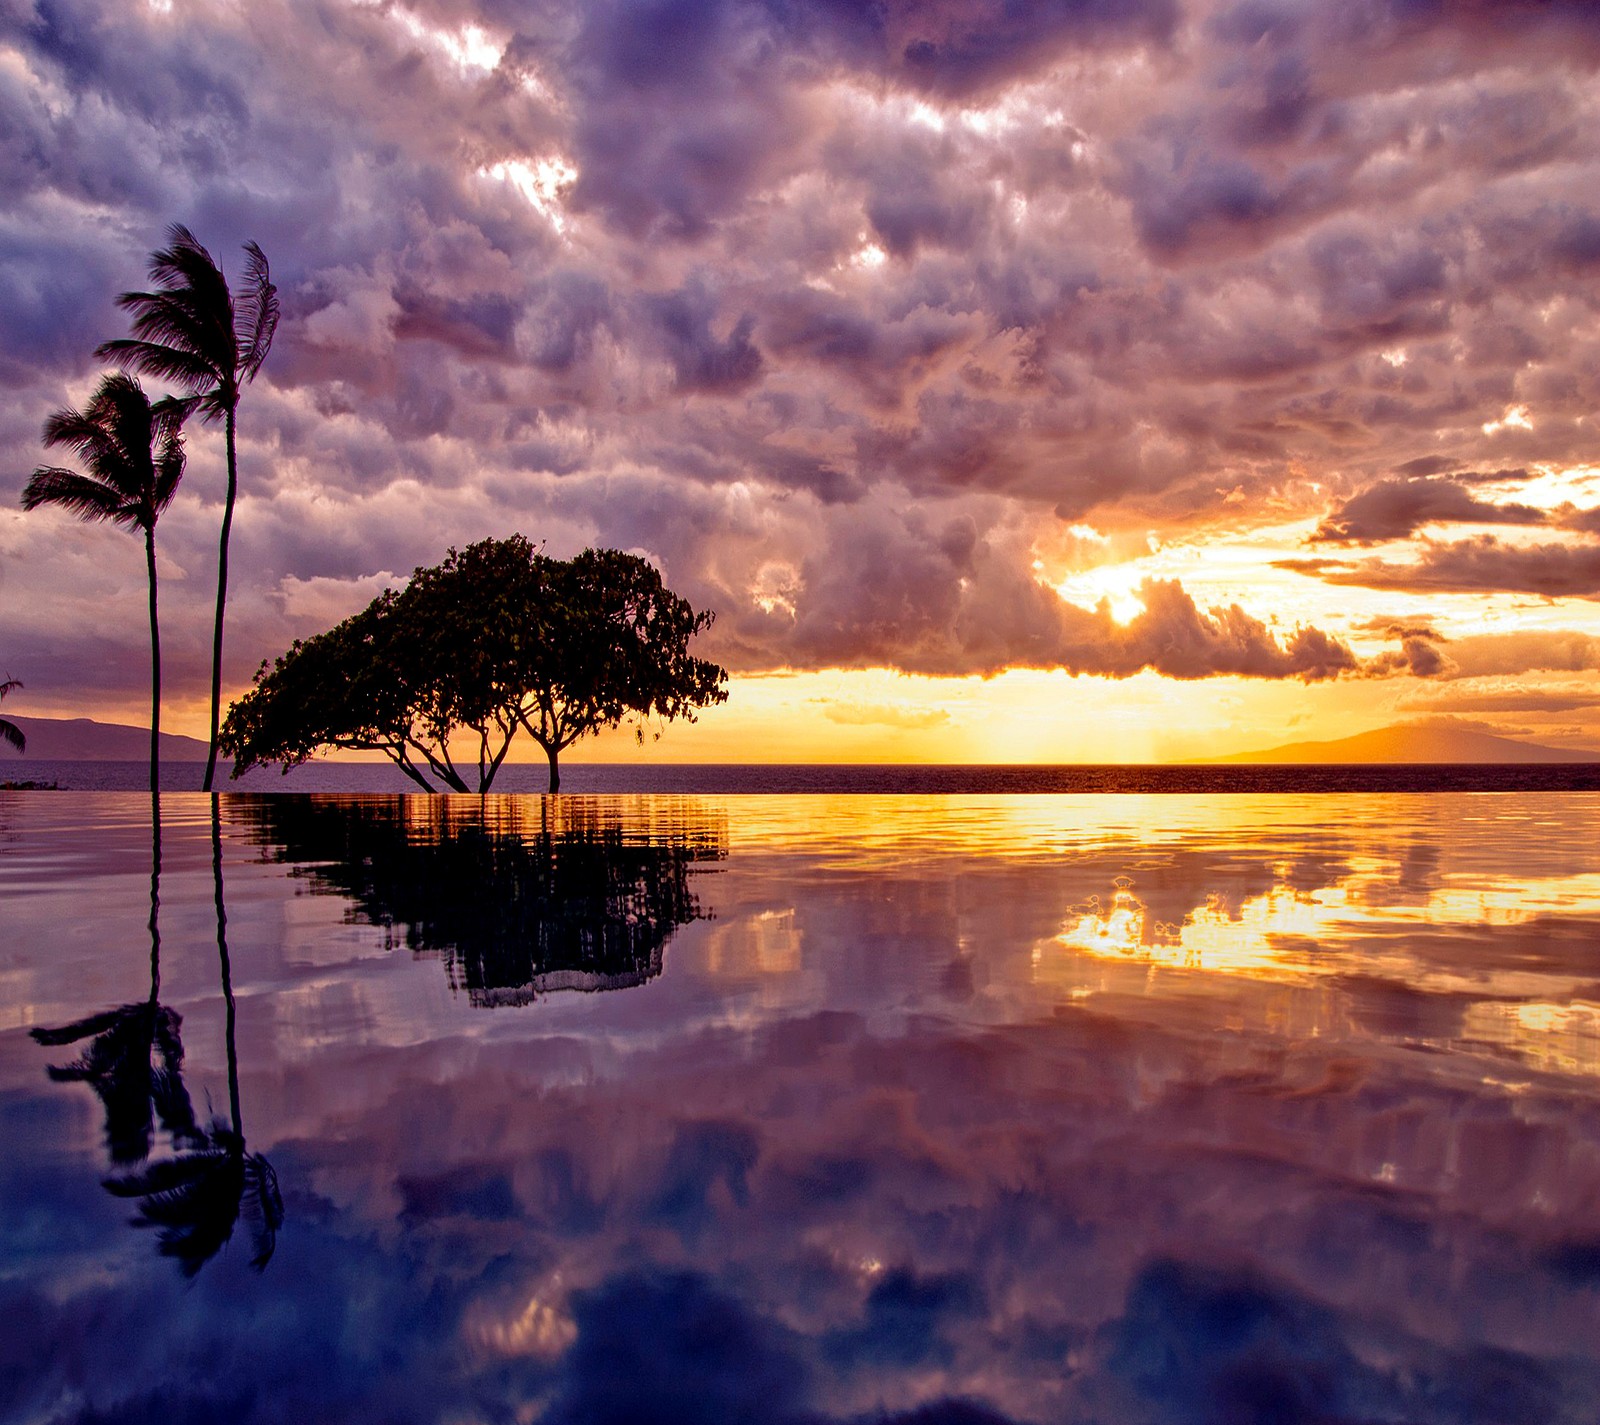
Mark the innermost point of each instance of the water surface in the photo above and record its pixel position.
(809, 1109)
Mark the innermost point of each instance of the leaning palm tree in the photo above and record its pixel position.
(134, 455)
(10, 733)
(193, 331)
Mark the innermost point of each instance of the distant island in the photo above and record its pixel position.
(1403, 744)
(80, 739)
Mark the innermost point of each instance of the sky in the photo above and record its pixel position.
(1016, 380)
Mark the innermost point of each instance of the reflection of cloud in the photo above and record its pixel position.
(1127, 1193)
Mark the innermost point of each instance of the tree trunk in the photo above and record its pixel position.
(555, 768)
(155, 665)
(222, 599)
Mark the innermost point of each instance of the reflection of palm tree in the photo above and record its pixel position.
(195, 332)
(10, 733)
(125, 1044)
(135, 459)
(197, 1198)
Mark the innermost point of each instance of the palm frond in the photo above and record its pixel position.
(169, 461)
(257, 310)
(173, 361)
(184, 262)
(9, 731)
(82, 496)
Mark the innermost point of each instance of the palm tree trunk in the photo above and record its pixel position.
(222, 599)
(155, 664)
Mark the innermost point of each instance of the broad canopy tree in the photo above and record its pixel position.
(496, 639)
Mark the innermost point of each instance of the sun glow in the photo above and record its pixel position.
(1116, 585)
(541, 182)
(1516, 416)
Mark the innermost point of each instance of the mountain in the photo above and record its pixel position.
(1412, 744)
(77, 739)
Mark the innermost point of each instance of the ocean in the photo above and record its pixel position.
(779, 779)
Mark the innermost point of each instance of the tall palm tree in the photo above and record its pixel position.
(196, 333)
(134, 454)
(10, 733)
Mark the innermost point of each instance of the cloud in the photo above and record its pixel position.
(883, 715)
(1499, 654)
(1542, 701)
(1395, 509)
(546, 267)
(1471, 566)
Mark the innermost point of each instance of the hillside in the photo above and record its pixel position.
(1411, 744)
(79, 739)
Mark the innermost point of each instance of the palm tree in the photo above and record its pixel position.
(193, 331)
(10, 733)
(134, 452)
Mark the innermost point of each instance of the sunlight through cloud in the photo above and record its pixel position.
(541, 183)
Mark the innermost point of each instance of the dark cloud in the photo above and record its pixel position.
(1472, 566)
(1419, 654)
(1395, 509)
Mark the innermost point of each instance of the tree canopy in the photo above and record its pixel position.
(496, 639)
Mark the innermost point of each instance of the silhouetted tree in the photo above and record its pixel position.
(10, 733)
(134, 456)
(495, 638)
(193, 331)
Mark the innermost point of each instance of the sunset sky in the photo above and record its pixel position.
(1018, 380)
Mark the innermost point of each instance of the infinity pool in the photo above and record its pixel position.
(923, 1110)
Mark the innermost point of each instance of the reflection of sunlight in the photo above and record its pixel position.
(539, 1330)
(1562, 1037)
(1269, 933)
(1125, 929)
(766, 943)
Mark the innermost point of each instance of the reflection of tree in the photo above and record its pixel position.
(196, 1197)
(520, 897)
